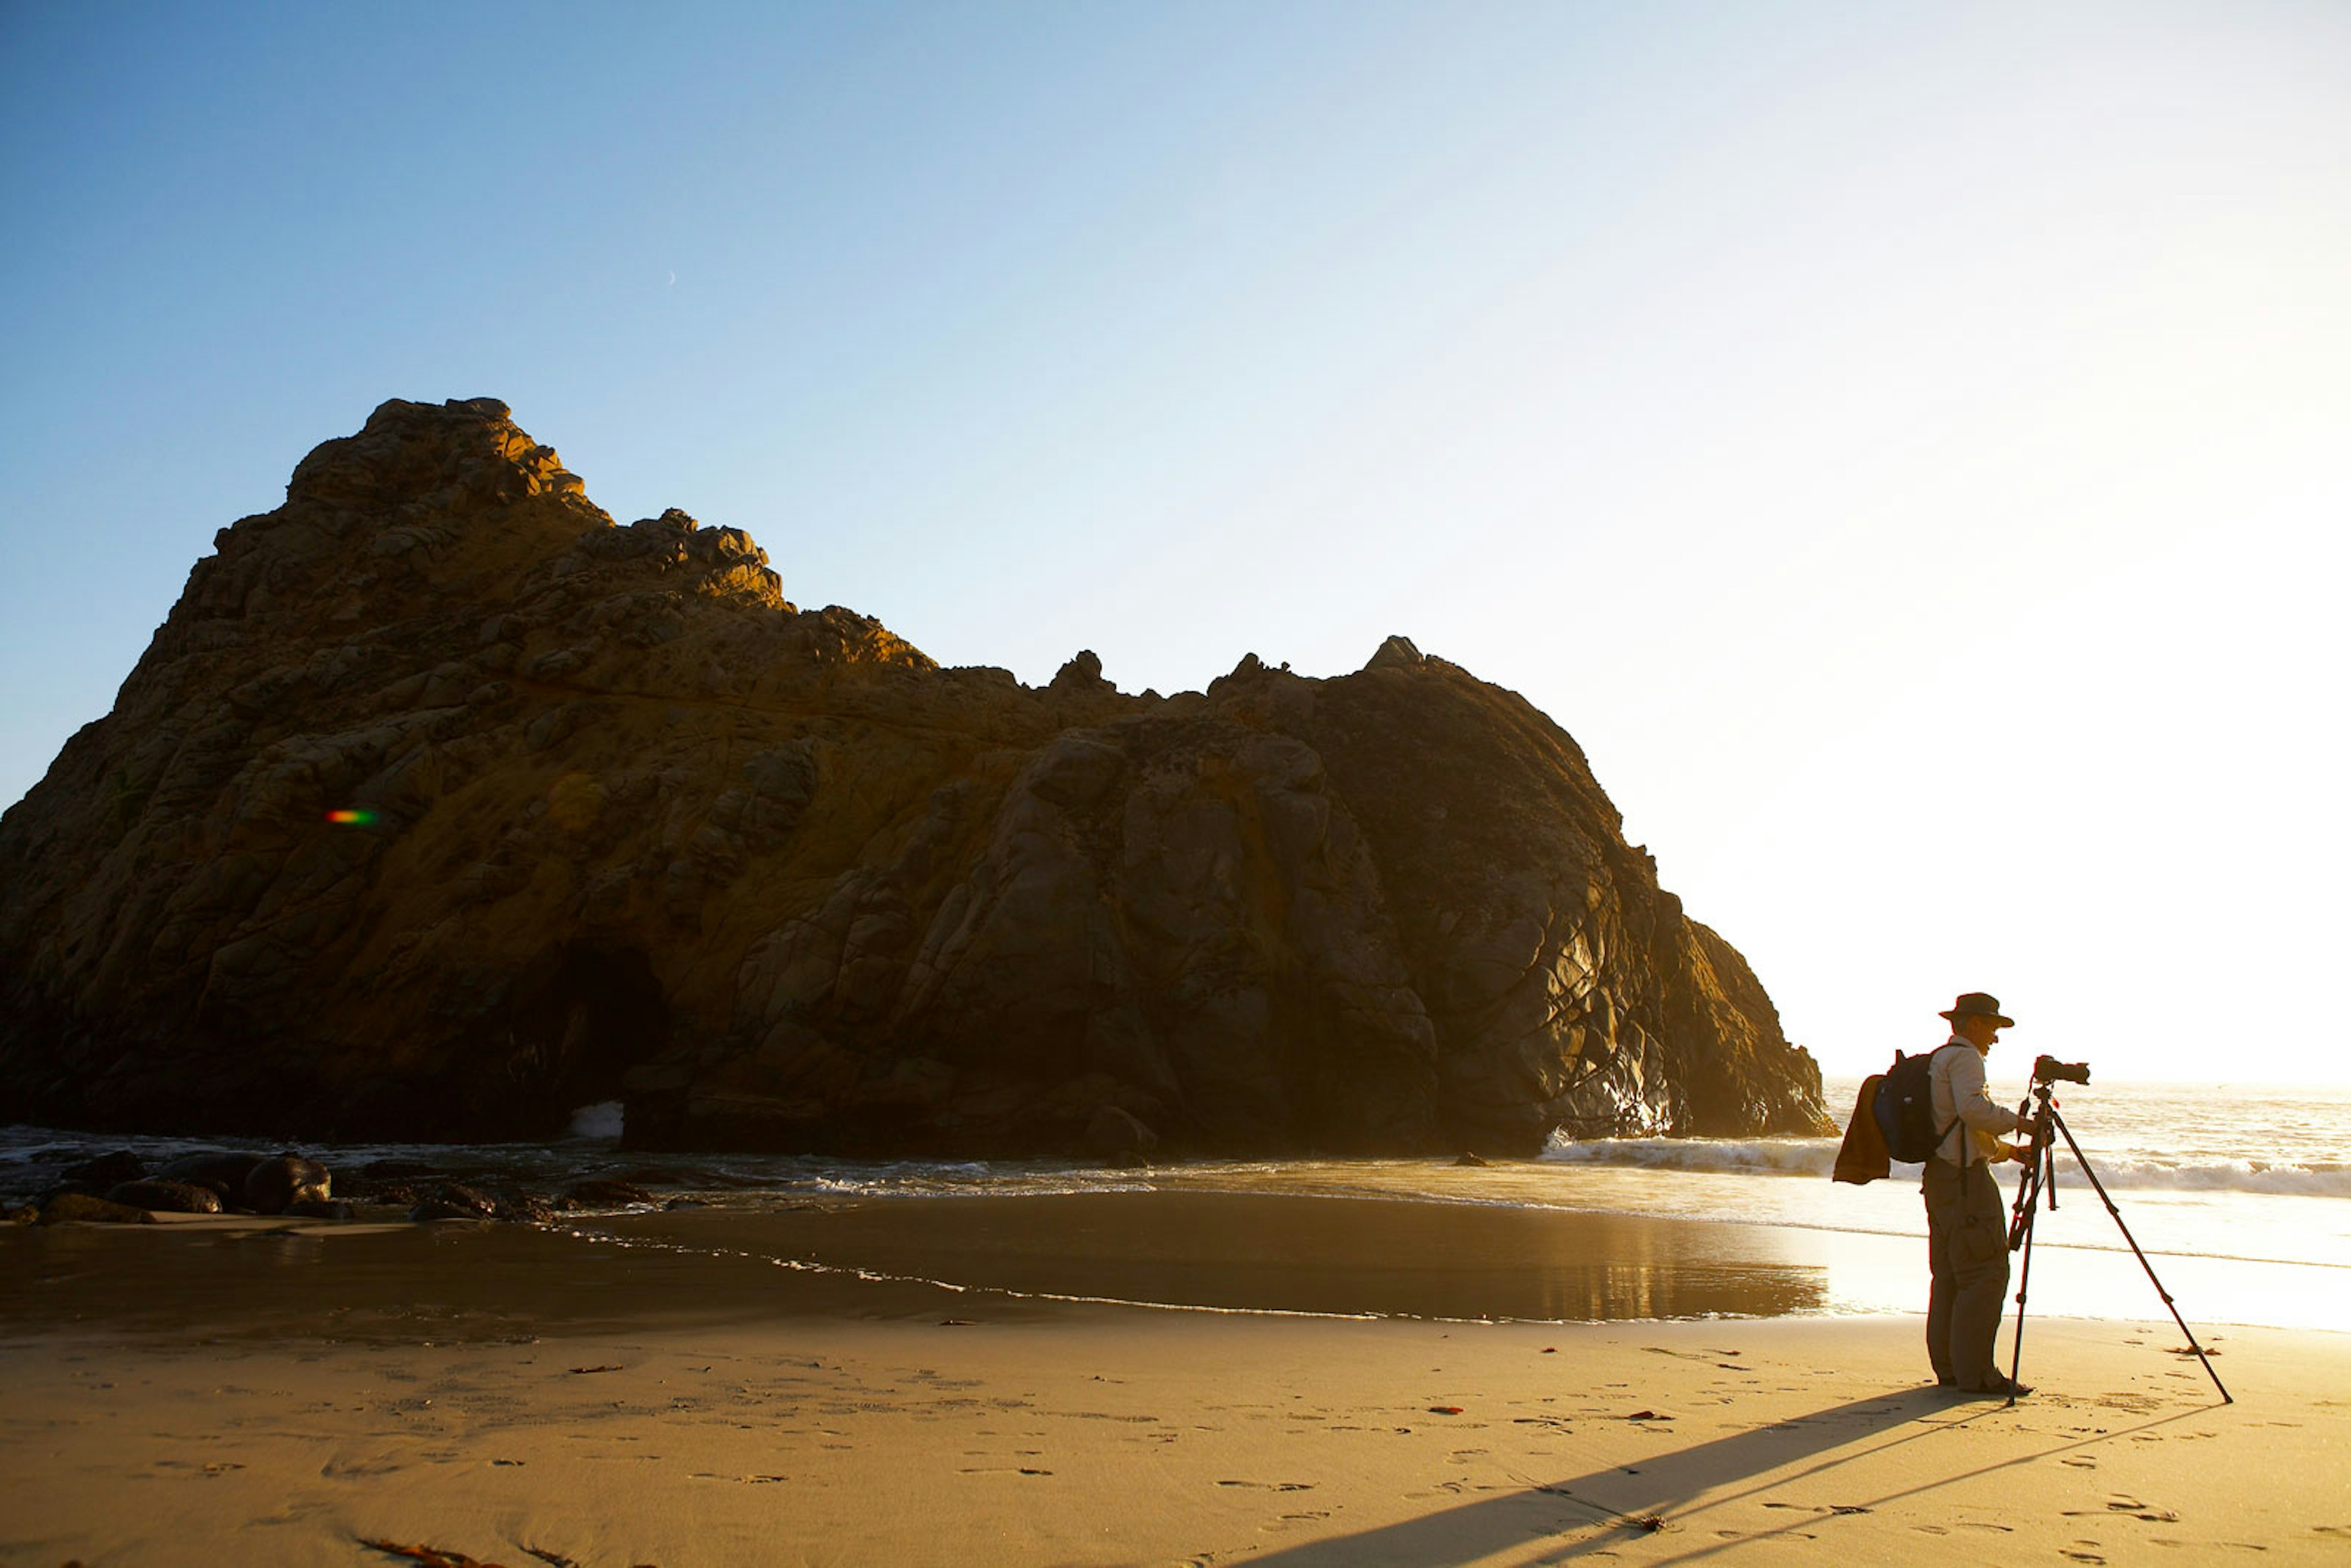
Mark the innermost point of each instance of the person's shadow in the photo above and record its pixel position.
(1604, 1507)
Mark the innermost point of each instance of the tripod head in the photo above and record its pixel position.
(2038, 1110)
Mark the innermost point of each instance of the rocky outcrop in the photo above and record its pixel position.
(292, 1186)
(440, 805)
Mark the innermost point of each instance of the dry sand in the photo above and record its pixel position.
(473, 1390)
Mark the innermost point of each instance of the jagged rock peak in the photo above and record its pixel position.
(466, 450)
(1396, 654)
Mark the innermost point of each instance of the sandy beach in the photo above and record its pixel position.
(258, 1392)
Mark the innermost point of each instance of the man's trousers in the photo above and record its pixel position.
(1966, 1251)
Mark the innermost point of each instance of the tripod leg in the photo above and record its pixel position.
(2083, 1161)
(2028, 1199)
(2037, 1173)
(2025, 1267)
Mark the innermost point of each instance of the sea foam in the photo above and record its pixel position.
(2121, 1170)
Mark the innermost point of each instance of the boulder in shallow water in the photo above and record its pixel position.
(284, 1179)
(602, 1192)
(398, 1194)
(525, 1208)
(158, 1196)
(219, 1169)
(455, 1200)
(81, 1208)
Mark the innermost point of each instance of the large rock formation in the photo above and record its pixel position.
(441, 806)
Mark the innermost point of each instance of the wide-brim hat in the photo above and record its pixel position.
(1979, 1004)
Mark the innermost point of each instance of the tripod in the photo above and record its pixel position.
(2040, 1179)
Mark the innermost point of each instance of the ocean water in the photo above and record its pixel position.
(2239, 1195)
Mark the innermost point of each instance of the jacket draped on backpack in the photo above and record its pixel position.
(1862, 1158)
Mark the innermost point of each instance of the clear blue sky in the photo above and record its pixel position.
(1908, 445)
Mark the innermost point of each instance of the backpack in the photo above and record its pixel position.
(1906, 1109)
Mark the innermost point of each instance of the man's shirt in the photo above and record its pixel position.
(1961, 1101)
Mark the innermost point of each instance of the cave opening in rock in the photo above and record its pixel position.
(593, 1013)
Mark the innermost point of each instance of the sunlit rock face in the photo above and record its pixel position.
(440, 807)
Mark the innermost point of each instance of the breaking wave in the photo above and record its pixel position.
(1785, 1156)
(2283, 1177)
(2121, 1170)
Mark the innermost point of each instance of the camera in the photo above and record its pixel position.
(2049, 1069)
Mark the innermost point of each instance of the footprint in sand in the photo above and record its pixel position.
(1289, 1521)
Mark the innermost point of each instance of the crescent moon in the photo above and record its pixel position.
(673, 280)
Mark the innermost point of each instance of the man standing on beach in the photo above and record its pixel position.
(1966, 1236)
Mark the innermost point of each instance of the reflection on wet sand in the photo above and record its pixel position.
(902, 1257)
(1279, 1253)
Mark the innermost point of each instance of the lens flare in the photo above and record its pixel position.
(352, 816)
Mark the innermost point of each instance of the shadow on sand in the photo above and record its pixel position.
(1604, 1509)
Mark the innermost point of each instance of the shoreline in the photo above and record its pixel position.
(1343, 1256)
(1748, 1231)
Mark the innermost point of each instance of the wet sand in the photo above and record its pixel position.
(255, 1393)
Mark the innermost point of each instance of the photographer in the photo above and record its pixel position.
(1966, 1233)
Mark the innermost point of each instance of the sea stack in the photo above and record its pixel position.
(441, 806)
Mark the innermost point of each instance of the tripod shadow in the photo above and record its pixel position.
(1619, 1503)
